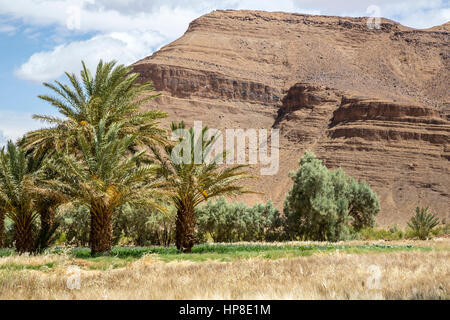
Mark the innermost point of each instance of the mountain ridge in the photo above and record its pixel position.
(374, 102)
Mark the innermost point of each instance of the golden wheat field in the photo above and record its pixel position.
(421, 274)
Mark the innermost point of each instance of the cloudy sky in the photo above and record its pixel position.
(40, 39)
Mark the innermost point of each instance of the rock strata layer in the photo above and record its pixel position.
(374, 102)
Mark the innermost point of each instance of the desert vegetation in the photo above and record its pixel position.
(96, 156)
(296, 270)
(104, 174)
(105, 156)
(423, 223)
(192, 181)
(100, 189)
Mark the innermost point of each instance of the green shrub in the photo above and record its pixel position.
(442, 230)
(326, 205)
(423, 223)
(9, 233)
(370, 233)
(143, 227)
(4, 252)
(162, 226)
(233, 222)
(62, 239)
(74, 223)
(446, 229)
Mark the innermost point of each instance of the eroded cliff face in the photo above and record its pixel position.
(374, 102)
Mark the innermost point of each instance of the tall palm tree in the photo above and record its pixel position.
(193, 182)
(47, 201)
(112, 95)
(16, 194)
(104, 177)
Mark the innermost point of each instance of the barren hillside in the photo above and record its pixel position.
(374, 102)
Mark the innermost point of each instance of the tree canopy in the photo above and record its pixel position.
(323, 204)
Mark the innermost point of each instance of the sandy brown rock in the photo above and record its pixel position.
(374, 102)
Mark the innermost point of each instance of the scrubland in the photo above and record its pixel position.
(298, 270)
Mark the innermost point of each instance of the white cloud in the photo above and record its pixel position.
(3, 139)
(6, 28)
(13, 125)
(415, 14)
(123, 36)
(124, 47)
(100, 17)
(421, 16)
(169, 17)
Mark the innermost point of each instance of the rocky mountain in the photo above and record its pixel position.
(375, 102)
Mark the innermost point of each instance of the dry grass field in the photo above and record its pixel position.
(337, 274)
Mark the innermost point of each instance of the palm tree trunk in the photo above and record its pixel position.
(48, 217)
(2, 229)
(48, 227)
(23, 233)
(101, 234)
(185, 229)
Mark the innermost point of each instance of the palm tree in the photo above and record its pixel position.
(192, 183)
(423, 223)
(2, 223)
(104, 177)
(16, 194)
(113, 95)
(47, 201)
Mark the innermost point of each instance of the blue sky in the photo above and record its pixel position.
(40, 39)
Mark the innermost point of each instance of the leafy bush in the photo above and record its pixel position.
(423, 223)
(131, 226)
(144, 227)
(233, 222)
(74, 224)
(441, 230)
(162, 226)
(9, 233)
(324, 205)
(370, 233)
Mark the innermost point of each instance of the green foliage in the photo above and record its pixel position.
(113, 95)
(9, 233)
(2, 226)
(61, 240)
(233, 222)
(144, 226)
(363, 204)
(17, 194)
(131, 226)
(444, 229)
(94, 152)
(74, 221)
(370, 233)
(162, 227)
(394, 233)
(229, 252)
(423, 223)
(5, 252)
(323, 204)
(106, 176)
(192, 181)
(45, 237)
